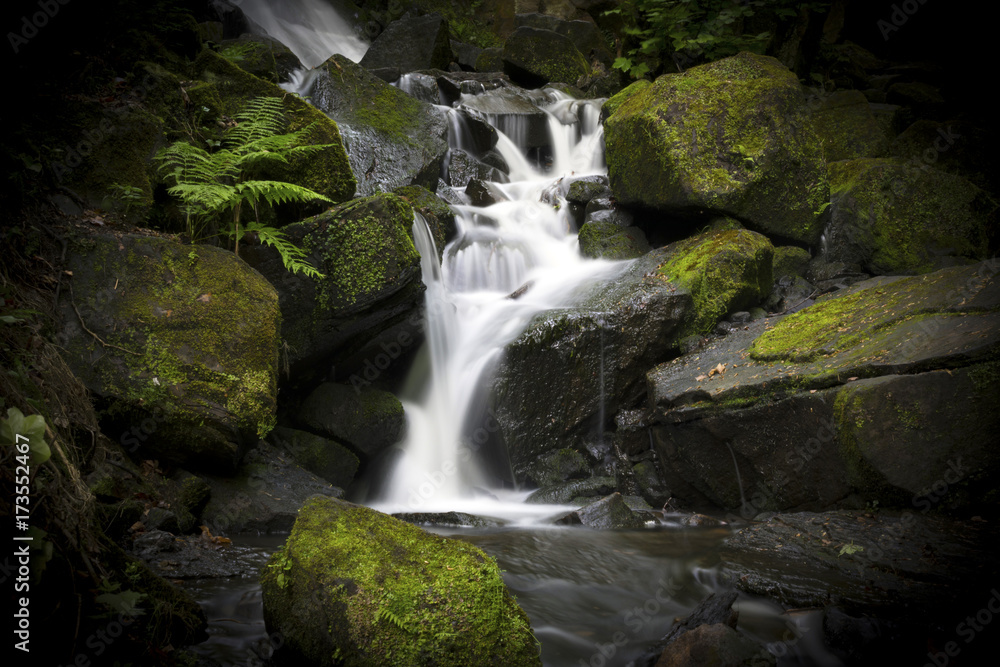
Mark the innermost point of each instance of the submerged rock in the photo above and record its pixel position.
(179, 341)
(354, 586)
(610, 512)
(730, 137)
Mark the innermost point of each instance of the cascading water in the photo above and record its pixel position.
(528, 239)
(312, 29)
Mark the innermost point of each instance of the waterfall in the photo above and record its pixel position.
(526, 243)
(312, 29)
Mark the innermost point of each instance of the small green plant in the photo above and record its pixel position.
(117, 601)
(129, 196)
(26, 435)
(850, 549)
(211, 185)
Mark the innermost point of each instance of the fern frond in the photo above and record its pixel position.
(292, 256)
(276, 192)
(261, 117)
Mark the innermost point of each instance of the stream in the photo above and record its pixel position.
(594, 598)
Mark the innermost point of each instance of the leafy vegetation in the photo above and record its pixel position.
(688, 32)
(211, 185)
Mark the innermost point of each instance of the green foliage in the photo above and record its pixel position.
(211, 184)
(119, 602)
(129, 196)
(25, 434)
(693, 31)
(850, 549)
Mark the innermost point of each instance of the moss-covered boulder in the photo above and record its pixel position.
(548, 386)
(320, 456)
(725, 271)
(731, 137)
(392, 139)
(369, 420)
(352, 586)
(181, 343)
(263, 57)
(439, 216)
(889, 217)
(872, 393)
(411, 44)
(846, 127)
(371, 278)
(610, 241)
(327, 172)
(533, 57)
(790, 261)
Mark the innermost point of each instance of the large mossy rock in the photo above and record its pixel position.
(180, 341)
(730, 137)
(411, 44)
(392, 139)
(879, 392)
(327, 172)
(369, 420)
(846, 126)
(610, 241)
(352, 586)
(533, 57)
(889, 217)
(371, 278)
(320, 456)
(547, 388)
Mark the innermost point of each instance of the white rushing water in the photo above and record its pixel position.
(529, 239)
(312, 29)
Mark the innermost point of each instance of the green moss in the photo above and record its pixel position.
(390, 593)
(610, 241)
(327, 172)
(904, 219)
(843, 322)
(363, 245)
(724, 271)
(729, 136)
(201, 336)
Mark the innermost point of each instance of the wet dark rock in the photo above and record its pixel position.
(823, 419)
(714, 645)
(585, 188)
(556, 467)
(483, 193)
(742, 317)
(321, 456)
(369, 420)
(392, 139)
(514, 112)
(196, 557)
(610, 240)
(450, 519)
(871, 563)
(533, 57)
(622, 327)
(609, 513)
(560, 494)
(613, 216)
(265, 494)
(423, 87)
(651, 485)
(411, 44)
(464, 167)
(465, 54)
(790, 294)
(159, 518)
(490, 60)
(585, 35)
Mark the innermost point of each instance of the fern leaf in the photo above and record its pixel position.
(292, 256)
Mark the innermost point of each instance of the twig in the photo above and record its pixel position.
(96, 337)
